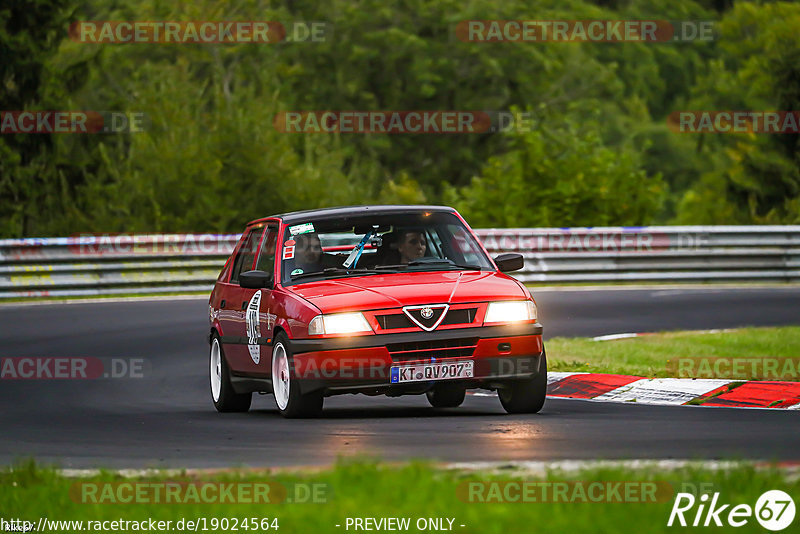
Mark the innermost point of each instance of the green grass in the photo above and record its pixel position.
(416, 490)
(656, 355)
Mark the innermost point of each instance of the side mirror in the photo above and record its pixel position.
(509, 262)
(255, 280)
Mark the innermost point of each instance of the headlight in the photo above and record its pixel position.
(510, 311)
(338, 323)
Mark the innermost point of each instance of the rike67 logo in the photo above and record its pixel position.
(774, 510)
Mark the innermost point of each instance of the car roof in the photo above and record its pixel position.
(349, 211)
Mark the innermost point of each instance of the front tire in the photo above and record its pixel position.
(527, 395)
(290, 402)
(446, 395)
(222, 394)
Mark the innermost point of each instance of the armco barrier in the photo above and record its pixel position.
(107, 265)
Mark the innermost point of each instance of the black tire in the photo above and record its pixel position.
(446, 395)
(227, 400)
(525, 396)
(297, 404)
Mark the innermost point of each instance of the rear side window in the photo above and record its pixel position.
(246, 254)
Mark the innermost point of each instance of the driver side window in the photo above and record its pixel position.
(266, 260)
(246, 254)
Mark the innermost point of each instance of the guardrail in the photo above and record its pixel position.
(137, 264)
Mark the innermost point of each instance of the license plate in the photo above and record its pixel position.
(432, 371)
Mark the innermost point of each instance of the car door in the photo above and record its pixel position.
(255, 328)
(231, 316)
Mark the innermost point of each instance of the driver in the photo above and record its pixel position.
(310, 256)
(411, 245)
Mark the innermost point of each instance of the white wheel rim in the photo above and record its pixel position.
(280, 376)
(215, 370)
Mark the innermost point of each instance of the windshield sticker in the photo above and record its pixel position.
(297, 271)
(289, 243)
(306, 228)
(288, 252)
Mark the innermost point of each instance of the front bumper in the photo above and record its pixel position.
(363, 363)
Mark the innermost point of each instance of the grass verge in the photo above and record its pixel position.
(660, 355)
(362, 489)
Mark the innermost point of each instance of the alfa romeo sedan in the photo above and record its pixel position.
(378, 300)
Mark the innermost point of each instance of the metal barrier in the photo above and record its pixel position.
(654, 253)
(136, 264)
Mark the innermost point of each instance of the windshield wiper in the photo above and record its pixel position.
(437, 262)
(335, 271)
(468, 267)
(442, 261)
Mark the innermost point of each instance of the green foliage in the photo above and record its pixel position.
(754, 178)
(561, 176)
(29, 35)
(210, 157)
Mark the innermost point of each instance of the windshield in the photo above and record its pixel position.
(378, 244)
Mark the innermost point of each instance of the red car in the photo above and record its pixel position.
(380, 300)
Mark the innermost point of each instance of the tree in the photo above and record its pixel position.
(755, 178)
(30, 32)
(561, 176)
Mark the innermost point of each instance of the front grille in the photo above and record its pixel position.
(396, 321)
(425, 350)
(460, 316)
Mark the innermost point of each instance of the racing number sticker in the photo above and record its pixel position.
(254, 327)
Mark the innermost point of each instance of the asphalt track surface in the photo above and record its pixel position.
(166, 418)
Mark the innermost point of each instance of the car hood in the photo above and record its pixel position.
(408, 289)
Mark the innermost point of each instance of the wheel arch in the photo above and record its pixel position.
(279, 329)
(213, 331)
